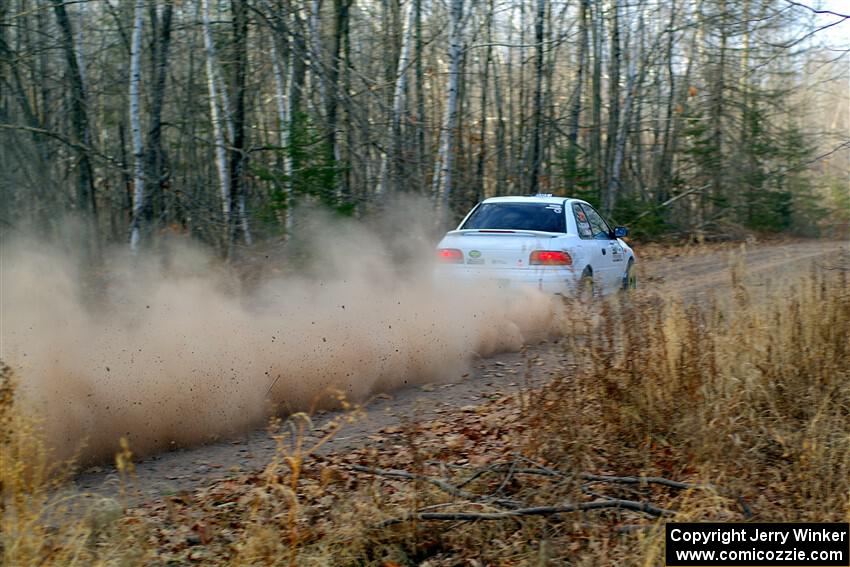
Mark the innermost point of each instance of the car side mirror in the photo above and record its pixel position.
(620, 232)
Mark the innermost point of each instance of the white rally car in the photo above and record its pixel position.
(554, 244)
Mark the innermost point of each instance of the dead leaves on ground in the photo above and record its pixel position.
(336, 507)
(208, 524)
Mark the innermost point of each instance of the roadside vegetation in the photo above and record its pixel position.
(737, 410)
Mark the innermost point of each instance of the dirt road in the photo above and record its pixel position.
(692, 273)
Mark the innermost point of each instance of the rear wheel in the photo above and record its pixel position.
(585, 284)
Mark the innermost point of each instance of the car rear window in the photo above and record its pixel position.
(548, 217)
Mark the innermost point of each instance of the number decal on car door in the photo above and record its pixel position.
(616, 252)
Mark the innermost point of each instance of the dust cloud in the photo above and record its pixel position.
(172, 348)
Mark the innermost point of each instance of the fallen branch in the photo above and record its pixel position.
(544, 471)
(642, 480)
(537, 469)
(535, 511)
(478, 473)
(507, 478)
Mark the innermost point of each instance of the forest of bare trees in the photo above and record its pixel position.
(218, 118)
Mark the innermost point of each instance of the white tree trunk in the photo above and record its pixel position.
(620, 140)
(442, 184)
(283, 119)
(220, 146)
(634, 82)
(398, 97)
(136, 127)
(221, 89)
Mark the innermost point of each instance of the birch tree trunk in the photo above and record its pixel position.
(136, 127)
(718, 111)
(215, 118)
(297, 74)
(442, 184)
(341, 17)
(613, 100)
(634, 82)
(664, 160)
(482, 127)
(394, 137)
(672, 142)
(283, 121)
(575, 109)
(619, 143)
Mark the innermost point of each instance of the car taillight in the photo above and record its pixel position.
(550, 258)
(450, 255)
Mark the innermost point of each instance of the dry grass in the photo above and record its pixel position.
(36, 523)
(754, 398)
(750, 403)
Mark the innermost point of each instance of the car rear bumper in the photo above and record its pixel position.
(546, 279)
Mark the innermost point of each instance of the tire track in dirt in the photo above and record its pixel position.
(695, 276)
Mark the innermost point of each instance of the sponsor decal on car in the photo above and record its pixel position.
(475, 257)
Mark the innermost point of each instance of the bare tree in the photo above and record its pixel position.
(442, 184)
(79, 113)
(136, 126)
(155, 159)
(216, 119)
(394, 137)
(571, 164)
(537, 125)
(238, 153)
(232, 112)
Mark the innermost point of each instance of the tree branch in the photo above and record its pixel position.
(804, 37)
(68, 142)
(813, 10)
(641, 480)
(633, 505)
(672, 200)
